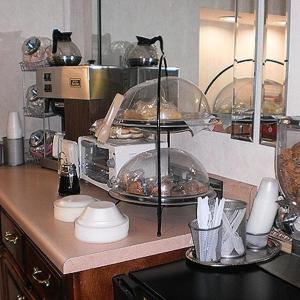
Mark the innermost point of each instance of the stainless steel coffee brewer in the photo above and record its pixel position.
(83, 94)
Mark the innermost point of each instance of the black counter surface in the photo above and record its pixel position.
(185, 280)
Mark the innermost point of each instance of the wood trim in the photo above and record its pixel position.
(97, 283)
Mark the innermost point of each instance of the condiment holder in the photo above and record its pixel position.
(219, 230)
(101, 222)
(219, 235)
(234, 229)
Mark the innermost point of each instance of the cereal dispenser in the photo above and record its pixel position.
(287, 164)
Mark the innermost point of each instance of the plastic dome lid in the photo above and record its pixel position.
(180, 100)
(182, 175)
(74, 201)
(273, 103)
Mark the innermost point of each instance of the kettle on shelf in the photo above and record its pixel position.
(144, 53)
(64, 51)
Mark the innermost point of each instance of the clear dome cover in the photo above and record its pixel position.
(180, 100)
(273, 101)
(287, 159)
(243, 97)
(182, 176)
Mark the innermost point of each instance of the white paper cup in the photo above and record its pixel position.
(13, 128)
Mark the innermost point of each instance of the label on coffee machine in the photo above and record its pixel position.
(75, 82)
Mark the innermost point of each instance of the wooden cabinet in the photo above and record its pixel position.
(46, 281)
(1, 272)
(1, 259)
(15, 287)
(12, 238)
(28, 274)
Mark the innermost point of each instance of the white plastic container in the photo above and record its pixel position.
(101, 222)
(68, 209)
(13, 127)
(264, 207)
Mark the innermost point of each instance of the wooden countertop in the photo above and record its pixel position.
(27, 193)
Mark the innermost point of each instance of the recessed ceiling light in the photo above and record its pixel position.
(229, 19)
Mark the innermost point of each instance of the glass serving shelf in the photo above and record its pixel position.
(165, 201)
(165, 126)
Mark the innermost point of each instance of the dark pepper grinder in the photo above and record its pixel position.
(68, 180)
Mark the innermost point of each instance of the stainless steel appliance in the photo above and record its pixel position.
(86, 91)
(93, 87)
(86, 82)
(100, 163)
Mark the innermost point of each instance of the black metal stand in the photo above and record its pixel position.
(158, 145)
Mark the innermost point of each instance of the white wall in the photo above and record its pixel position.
(176, 21)
(221, 155)
(18, 21)
(21, 19)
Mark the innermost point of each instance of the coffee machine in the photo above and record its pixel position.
(80, 94)
(83, 94)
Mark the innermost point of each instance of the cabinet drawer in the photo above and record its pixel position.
(12, 238)
(15, 287)
(44, 278)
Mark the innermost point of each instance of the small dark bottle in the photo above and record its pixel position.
(68, 180)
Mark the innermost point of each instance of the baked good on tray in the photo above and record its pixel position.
(137, 185)
(147, 110)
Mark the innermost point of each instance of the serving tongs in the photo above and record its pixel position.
(102, 133)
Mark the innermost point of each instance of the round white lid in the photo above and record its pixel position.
(74, 201)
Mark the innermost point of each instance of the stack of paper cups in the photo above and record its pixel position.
(13, 142)
(13, 128)
(264, 207)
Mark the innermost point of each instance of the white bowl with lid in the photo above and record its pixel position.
(69, 208)
(101, 222)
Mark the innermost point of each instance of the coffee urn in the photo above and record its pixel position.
(83, 93)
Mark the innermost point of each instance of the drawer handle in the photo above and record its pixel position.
(11, 237)
(19, 297)
(45, 282)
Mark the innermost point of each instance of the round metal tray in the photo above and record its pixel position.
(252, 256)
(175, 125)
(165, 201)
